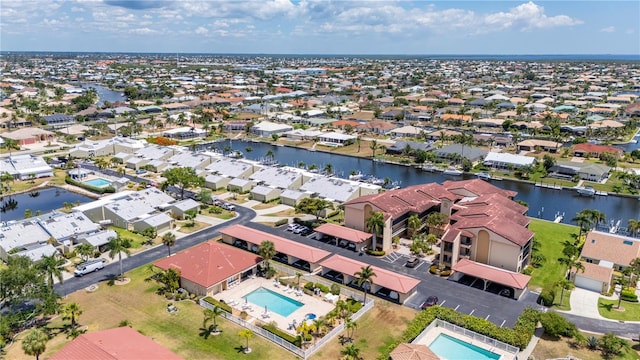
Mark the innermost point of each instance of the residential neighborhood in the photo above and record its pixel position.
(287, 199)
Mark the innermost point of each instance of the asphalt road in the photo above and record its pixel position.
(112, 269)
(464, 299)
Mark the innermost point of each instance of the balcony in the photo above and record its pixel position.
(466, 245)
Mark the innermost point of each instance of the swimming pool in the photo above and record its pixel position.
(98, 182)
(279, 304)
(451, 348)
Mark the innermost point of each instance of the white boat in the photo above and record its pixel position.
(586, 190)
(453, 172)
(429, 168)
(483, 176)
(357, 176)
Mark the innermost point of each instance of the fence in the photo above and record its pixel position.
(356, 295)
(470, 334)
(284, 343)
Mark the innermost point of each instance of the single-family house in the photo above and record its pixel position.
(595, 150)
(267, 129)
(508, 161)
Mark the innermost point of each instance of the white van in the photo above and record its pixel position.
(88, 267)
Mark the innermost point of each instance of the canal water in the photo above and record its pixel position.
(13, 207)
(543, 203)
(105, 94)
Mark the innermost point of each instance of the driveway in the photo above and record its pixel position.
(585, 303)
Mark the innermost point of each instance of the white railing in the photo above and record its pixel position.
(305, 354)
(470, 334)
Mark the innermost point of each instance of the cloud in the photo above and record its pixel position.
(143, 31)
(201, 30)
(526, 16)
(138, 4)
(608, 29)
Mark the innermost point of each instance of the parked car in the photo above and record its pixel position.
(88, 267)
(351, 246)
(431, 301)
(228, 206)
(293, 226)
(141, 171)
(306, 231)
(300, 229)
(343, 243)
(412, 262)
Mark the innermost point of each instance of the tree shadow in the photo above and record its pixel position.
(239, 349)
(609, 307)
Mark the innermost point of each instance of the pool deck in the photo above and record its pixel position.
(311, 304)
(436, 331)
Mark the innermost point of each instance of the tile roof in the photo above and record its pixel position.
(253, 236)
(616, 249)
(406, 351)
(595, 272)
(122, 343)
(491, 273)
(385, 278)
(342, 232)
(209, 263)
(594, 148)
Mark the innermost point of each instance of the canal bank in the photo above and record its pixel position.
(544, 203)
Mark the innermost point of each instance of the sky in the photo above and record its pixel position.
(322, 26)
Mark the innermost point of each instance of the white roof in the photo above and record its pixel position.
(67, 225)
(507, 158)
(331, 188)
(270, 126)
(186, 204)
(98, 239)
(37, 252)
(263, 190)
(22, 234)
(157, 220)
(276, 177)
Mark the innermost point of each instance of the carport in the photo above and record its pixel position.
(357, 237)
(492, 276)
(297, 255)
(386, 284)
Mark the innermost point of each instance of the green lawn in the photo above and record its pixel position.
(550, 235)
(136, 239)
(609, 309)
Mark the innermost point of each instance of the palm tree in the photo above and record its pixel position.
(328, 169)
(117, 246)
(634, 227)
(169, 239)
(375, 224)
(351, 327)
(11, 144)
(71, 311)
(413, 224)
(635, 265)
(35, 343)
(267, 251)
(319, 324)
(365, 275)
(84, 250)
(583, 219)
(212, 314)
(351, 352)
(597, 217)
(52, 266)
(270, 154)
(298, 276)
(564, 284)
(373, 146)
(247, 334)
(170, 278)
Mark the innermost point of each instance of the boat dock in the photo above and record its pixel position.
(549, 186)
(558, 218)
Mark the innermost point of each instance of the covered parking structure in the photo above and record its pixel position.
(386, 284)
(289, 252)
(343, 236)
(500, 281)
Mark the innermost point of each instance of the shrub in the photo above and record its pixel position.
(99, 190)
(281, 222)
(335, 289)
(433, 269)
(528, 270)
(273, 328)
(309, 285)
(548, 295)
(220, 304)
(629, 295)
(325, 289)
(376, 252)
(70, 255)
(556, 325)
(611, 345)
(445, 272)
(215, 210)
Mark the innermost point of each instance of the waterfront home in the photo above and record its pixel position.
(232, 168)
(399, 147)
(538, 145)
(452, 151)
(185, 133)
(120, 343)
(24, 167)
(507, 161)
(337, 190)
(278, 177)
(334, 139)
(267, 129)
(583, 170)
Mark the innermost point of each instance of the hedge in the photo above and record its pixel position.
(219, 304)
(284, 335)
(629, 295)
(519, 336)
(99, 190)
(376, 252)
(548, 295)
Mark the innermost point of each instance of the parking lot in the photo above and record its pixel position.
(465, 299)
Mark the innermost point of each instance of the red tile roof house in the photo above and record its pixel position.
(594, 150)
(210, 267)
(122, 343)
(601, 255)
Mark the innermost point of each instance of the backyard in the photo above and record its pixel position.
(550, 236)
(550, 348)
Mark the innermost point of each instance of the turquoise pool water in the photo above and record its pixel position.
(98, 182)
(450, 348)
(274, 302)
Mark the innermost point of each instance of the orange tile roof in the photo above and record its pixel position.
(616, 249)
(342, 232)
(385, 278)
(595, 148)
(406, 351)
(253, 236)
(122, 343)
(491, 273)
(595, 271)
(209, 263)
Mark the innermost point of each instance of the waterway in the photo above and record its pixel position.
(105, 94)
(543, 203)
(44, 200)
